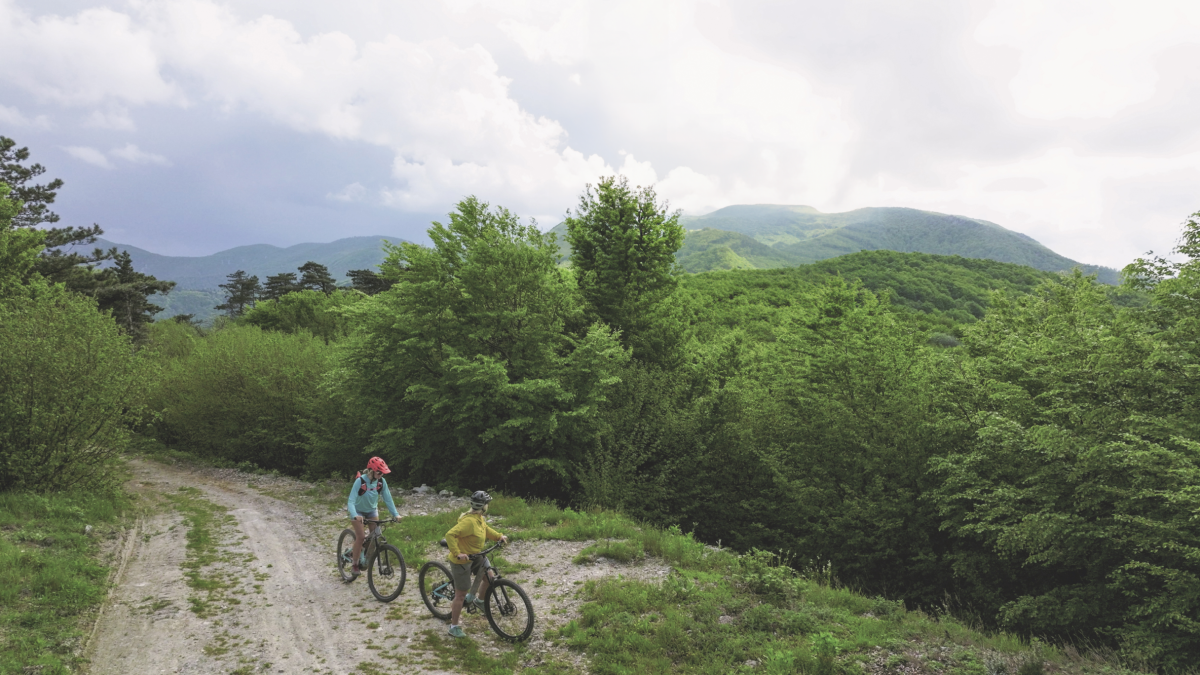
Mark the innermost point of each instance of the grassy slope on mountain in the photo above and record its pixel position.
(712, 249)
(801, 234)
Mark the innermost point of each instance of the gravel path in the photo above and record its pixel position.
(282, 607)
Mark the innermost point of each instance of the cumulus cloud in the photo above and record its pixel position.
(13, 117)
(94, 56)
(117, 119)
(353, 192)
(1055, 117)
(132, 153)
(90, 155)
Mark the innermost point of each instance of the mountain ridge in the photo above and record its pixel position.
(209, 271)
(802, 235)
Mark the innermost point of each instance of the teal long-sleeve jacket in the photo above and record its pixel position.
(369, 501)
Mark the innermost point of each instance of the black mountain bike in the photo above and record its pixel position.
(507, 607)
(385, 564)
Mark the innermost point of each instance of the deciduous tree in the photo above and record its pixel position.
(623, 244)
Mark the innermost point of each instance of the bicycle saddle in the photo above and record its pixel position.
(443, 544)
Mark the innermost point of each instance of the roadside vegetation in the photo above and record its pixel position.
(52, 576)
(723, 612)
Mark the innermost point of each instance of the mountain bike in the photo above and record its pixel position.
(507, 606)
(385, 564)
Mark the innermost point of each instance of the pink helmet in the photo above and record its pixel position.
(377, 464)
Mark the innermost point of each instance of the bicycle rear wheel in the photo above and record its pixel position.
(437, 589)
(345, 549)
(386, 573)
(509, 611)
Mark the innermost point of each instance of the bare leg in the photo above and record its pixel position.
(359, 535)
(456, 607)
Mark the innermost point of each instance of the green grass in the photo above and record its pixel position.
(207, 524)
(50, 577)
(464, 656)
(719, 612)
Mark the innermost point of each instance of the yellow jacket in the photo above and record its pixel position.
(468, 535)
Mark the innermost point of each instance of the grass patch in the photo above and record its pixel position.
(50, 575)
(207, 524)
(465, 656)
(621, 551)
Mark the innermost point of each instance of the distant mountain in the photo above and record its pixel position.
(768, 236)
(787, 236)
(205, 273)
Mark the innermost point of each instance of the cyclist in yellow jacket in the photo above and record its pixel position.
(465, 539)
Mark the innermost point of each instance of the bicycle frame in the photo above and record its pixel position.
(446, 590)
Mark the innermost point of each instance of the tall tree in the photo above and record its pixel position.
(240, 292)
(368, 282)
(56, 262)
(623, 244)
(316, 277)
(126, 293)
(279, 285)
(470, 351)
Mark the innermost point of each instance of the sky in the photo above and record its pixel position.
(186, 127)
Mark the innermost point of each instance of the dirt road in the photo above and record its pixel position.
(266, 596)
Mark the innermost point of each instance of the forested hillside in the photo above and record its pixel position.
(765, 236)
(964, 435)
(206, 273)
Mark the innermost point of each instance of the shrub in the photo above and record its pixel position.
(243, 394)
(70, 388)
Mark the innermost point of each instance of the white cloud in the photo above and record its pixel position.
(1087, 58)
(117, 119)
(864, 103)
(1065, 200)
(90, 155)
(97, 55)
(13, 117)
(353, 192)
(665, 84)
(133, 153)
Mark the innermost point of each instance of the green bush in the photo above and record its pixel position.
(242, 394)
(305, 311)
(70, 388)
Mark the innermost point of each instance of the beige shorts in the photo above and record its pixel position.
(462, 575)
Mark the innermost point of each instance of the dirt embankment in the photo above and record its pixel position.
(258, 591)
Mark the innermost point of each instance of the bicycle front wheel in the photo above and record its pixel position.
(345, 549)
(386, 573)
(509, 611)
(437, 589)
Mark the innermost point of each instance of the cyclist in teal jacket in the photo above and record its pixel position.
(364, 502)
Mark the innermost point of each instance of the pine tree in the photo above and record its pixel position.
(240, 293)
(125, 293)
(315, 276)
(279, 285)
(368, 282)
(55, 263)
